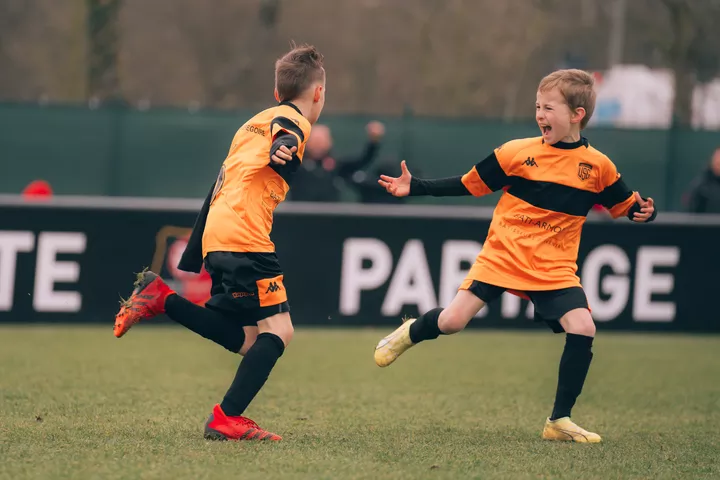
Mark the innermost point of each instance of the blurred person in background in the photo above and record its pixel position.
(705, 191)
(321, 177)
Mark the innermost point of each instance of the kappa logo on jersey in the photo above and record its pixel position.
(530, 162)
(584, 170)
(272, 288)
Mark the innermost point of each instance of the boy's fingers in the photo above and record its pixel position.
(277, 159)
(404, 168)
(293, 150)
(386, 178)
(639, 199)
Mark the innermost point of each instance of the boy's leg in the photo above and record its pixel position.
(152, 297)
(226, 421)
(570, 306)
(274, 334)
(470, 299)
(252, 285)
(219, 327)
(575, 360)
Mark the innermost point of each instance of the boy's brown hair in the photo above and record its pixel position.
(297, 70)
(576, 86)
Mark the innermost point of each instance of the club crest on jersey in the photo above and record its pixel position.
(584, 170)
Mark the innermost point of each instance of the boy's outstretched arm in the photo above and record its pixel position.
(620, 200)
(485, 177)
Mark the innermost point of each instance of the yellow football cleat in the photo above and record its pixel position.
(564, 430)
(392, 346)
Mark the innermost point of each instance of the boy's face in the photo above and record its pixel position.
(555, 119)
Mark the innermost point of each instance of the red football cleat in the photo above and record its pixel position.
(221, 427)
(146, 301)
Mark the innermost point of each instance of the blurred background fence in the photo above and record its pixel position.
(173, 153)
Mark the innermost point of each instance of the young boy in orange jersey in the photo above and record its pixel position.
(248, 312)
(551, 182)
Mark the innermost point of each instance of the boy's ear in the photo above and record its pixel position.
(277, 95)
(318, 92)
(578, 115)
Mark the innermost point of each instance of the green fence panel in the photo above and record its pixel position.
(69, 147)
(176, 153)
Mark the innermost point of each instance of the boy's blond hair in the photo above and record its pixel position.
(576, 86)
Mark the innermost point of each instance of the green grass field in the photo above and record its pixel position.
(77, 403)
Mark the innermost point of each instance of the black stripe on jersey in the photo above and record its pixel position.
(616, 193)
(288, 125)
(553, 196)
(492, 173)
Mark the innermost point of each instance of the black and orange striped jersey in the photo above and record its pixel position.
(249, 188)
(533, 240)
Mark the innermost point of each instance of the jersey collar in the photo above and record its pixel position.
(583, 142)
(291, 105)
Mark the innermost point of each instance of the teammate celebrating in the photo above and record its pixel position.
(551, 182)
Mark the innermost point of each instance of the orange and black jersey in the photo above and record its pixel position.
(533, 240)
(249, 187)
(237, 215)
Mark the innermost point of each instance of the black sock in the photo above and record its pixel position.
(213, 325)
(574, 366)
(252, 373)
(426, 326)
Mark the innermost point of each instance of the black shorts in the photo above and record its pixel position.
(247, 286)
(550, 305)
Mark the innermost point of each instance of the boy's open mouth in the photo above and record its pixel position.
(545, 128)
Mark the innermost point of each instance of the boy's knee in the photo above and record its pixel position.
(279, 325)
(286, 333)
(579, 322)
(451, 321)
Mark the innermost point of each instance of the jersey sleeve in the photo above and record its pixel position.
(491, 174)
(291, 122)
(615, 195)
(283, 124)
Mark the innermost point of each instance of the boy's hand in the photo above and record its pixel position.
(400, 186)
(283, 155)
(646, 208)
